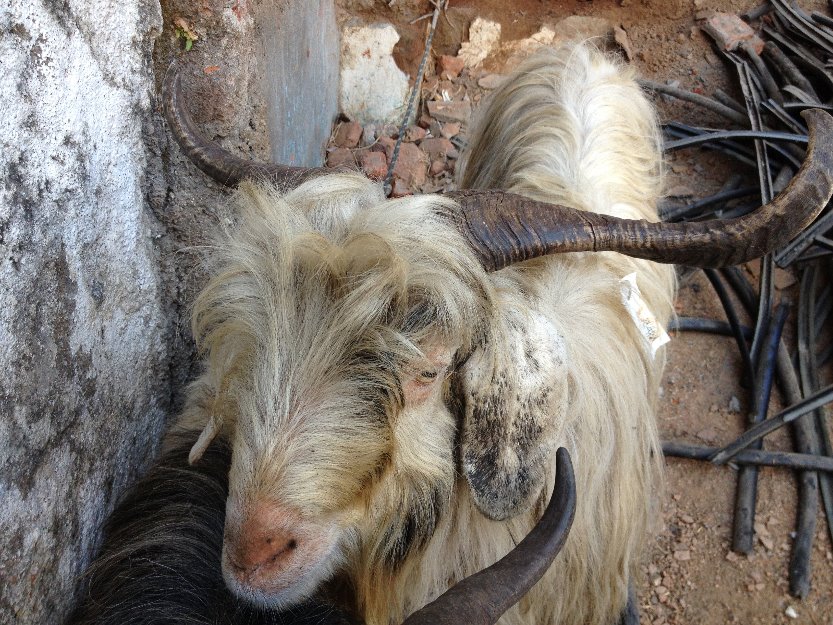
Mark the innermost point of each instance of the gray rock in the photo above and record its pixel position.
(84, 356)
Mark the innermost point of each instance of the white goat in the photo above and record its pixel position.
(394, 408)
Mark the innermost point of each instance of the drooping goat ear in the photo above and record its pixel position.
(513, 394)
(209, 433)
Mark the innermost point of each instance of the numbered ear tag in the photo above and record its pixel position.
(654, 334)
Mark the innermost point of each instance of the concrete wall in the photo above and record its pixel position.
(99, 218)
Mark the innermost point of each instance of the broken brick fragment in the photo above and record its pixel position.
(340, 157)
(454, 111)
(436, 147)
(374, 165)
(729, 32)
(411, 165)
(451, 66)
(348, 135)
(415, 133)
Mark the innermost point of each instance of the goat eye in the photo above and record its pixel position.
(427, 376)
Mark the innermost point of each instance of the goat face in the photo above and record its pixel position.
(332, 335)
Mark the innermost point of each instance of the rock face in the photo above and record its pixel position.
(83, 328)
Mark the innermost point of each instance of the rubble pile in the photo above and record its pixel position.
(453, 86)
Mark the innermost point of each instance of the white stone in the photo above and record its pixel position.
(484, 38)
(373, 88)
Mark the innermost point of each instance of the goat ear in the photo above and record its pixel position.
(513, 390)
(209, 433)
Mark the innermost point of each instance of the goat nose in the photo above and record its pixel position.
(262, 541)
(262, 551)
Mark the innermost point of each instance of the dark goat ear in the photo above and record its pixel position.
(513, 395)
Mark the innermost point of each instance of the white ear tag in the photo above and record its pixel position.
(649, 327)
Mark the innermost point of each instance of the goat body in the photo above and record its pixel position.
(394, 410)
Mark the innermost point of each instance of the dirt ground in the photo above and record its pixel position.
(691, 575)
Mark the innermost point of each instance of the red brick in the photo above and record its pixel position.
(384, 144)
(415, 133)
(437, 167)
(411, 165)
(450, 129)
(454, 111)
(729, 32)
(400, 188)
(374, 164)
(451, 66)
(340, 157)
(348, 135)
(436, 147)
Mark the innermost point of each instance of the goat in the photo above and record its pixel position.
(393, 376)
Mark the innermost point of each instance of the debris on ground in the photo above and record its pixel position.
(452, 87)
(484, 38)
(774, 96)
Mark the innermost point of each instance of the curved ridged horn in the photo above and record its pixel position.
(505, 228)
(220, 164)
(482, 598)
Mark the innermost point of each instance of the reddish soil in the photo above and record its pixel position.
(690, 575)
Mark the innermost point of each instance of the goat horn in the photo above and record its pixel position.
(505, 228)
(482, 598)
(220, 164)
(209, 433)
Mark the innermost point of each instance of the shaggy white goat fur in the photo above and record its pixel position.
(367, 369)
